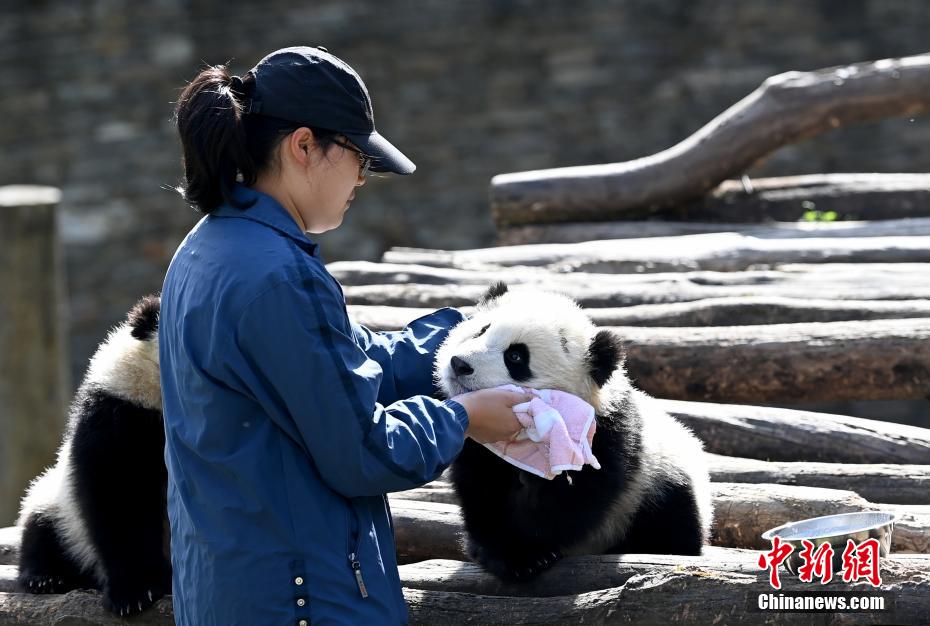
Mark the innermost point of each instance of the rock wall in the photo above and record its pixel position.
(468, 89)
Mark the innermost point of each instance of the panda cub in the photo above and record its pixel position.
(651, 494)
(97, 518)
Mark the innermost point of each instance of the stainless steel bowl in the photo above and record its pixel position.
(835, 530)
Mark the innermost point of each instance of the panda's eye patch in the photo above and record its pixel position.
(516, 353)
(517, 361)
(481, 332)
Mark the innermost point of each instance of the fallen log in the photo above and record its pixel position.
(782, 363)
(784, 109)
(581, 574)
(742, 512)
(884, 482)
(722, 252)
(732, 311)
(576, 232)
(723, 584)
(873, 360)
(9, 544)
(788, 435)
(427, 528)
(867, 197)
(655, 594)
(424, 529)
(644, 292)
(902, 275)
(8, 578)
(76, 608)
(878, 482)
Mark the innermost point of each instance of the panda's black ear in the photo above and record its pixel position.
(143, 318)
(605, 355)
(494, 292)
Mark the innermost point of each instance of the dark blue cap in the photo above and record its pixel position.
(310, 86)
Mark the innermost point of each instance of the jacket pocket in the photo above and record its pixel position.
(353, 544)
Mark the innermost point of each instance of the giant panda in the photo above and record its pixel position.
(651, 494)
(97, 518)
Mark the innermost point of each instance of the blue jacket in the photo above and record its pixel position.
(286, 423)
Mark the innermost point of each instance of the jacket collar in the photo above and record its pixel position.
(268, 211)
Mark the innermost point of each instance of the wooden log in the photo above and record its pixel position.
(8, 578)
(902, 275)
(427, 528)
(788, 435)
(880, 482)
(687, 594)
(732, 311)
(34, 381)
(869, 197)
(581, 574)
(722, 252)
(667, 291)
(571, 575)
(784, 109)
(642, 589)
(742, 512)
(873, 360)
(576, 232)
(76, 608)
(9, 544)
(780, 363)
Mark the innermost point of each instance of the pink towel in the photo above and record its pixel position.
(557, 434)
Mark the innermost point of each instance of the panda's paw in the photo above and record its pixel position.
(527, 567)
(126, 601)
(513, 567)
(44, 583)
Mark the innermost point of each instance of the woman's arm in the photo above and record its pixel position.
(406, 356)
(300, 361)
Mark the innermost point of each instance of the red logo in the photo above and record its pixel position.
(780, 552)
(817, 562)
(859, 561)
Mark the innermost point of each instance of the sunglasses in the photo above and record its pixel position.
(364, 161)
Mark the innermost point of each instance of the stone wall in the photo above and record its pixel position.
(468, 89)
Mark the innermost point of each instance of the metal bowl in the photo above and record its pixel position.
(835, 530)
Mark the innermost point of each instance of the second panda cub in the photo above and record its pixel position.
(651, 494)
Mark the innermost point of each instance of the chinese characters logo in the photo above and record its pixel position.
(859, 561)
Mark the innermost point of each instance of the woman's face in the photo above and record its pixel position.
(315, 186)
(332, 177)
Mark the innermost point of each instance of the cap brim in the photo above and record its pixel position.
(386, 157)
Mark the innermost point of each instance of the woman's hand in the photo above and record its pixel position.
(490, 414)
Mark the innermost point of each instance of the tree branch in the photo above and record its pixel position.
(785, 109)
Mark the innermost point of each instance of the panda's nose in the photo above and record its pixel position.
(460, 367)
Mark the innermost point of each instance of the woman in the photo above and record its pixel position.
(286, 423)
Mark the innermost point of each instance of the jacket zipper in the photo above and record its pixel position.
(353, 553)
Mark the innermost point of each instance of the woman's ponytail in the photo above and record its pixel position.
(210, 117)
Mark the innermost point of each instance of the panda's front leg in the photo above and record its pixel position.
(519, 561)
(512, 541)
(120, 481)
